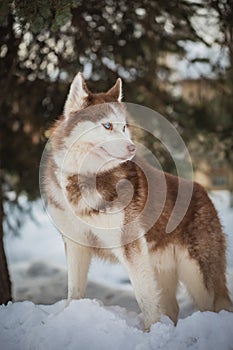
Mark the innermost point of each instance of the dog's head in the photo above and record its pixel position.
(94, 129)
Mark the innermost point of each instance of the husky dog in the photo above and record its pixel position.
(87, 140)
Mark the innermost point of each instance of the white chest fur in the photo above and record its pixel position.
(105, 226)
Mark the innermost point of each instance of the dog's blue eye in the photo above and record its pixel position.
(108, 126)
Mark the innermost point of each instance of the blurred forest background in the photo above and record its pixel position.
(175, 57)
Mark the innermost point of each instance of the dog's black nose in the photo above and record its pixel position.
(131, 148)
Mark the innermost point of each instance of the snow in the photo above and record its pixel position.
(86, 324)
(113, 320)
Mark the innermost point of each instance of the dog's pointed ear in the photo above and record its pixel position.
(76, 96)
(116, 90)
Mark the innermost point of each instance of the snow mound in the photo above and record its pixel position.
(87, 324)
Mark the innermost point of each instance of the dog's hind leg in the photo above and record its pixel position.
(190, 274)
(78, 261)
(222, 299)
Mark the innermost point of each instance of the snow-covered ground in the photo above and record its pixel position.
(86, 324)
(38, 270)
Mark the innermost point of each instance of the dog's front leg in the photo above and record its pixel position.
(135, 257)
(78, 260)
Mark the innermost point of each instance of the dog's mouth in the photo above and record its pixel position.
(122, 158)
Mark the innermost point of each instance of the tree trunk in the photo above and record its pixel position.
(5, 283)
(231, 198)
